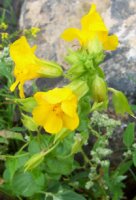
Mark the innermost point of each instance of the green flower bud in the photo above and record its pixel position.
(79, 87)
(95, 46)
(99, 89)
(49, 69)
(73, 56)
(29, 123)
(95, 49)
(26, 104)
(34, 161)
(77, 144)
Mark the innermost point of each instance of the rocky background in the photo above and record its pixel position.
(53, 16)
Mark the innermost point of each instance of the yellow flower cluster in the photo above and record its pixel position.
(4, 36)
(92, 26)
(3, 26)
(57, 108)
(34, 31)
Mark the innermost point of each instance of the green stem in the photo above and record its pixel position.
(12, 156)
(132, 173)
(86, 158)
(25, 145)
(111, 89)
(51, 149)
(95, 133)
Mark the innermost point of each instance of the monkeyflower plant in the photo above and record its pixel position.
(57, 121)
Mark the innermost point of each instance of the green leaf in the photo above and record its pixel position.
(84, 108)
(128, 136)
(13, 164)
(68, 195)
(124, 167)
(11, 135)
(120, 102)
(34, 147)
(134, 158)
(3, 140)
(133, 107)
(62, 166)
(25, 184)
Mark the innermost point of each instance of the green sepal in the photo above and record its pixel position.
(99, 89)
(34, 161)
(29, 123)
(49, 69)
(79, 87)
(95, 49)
(129, 135)
(27, 104)
(120, 102)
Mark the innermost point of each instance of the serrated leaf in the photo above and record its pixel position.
(13, 164)
(26, 185)
(128, 136)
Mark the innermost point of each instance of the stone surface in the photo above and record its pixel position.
(53, 16)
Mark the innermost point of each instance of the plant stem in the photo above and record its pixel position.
(86, 158)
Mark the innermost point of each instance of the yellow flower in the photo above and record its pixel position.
(4, 36)
(3, 26)
(56, 109)
(34, 31)
(92, 26)
(28, 66)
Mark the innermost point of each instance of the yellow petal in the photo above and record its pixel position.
(34, 48)
(14, 85)
(57, 95)
(21, 52)
(40, 114)
(69, 107)
(71, 122)
(39, 97)
(71, 34)
(53, 123)
(93, 21)
(21, 90)
(111, 43)
(92, 9)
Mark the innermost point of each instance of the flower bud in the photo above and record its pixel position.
(95, 49)
(95, 46)
(49, 69)
(99, 89)
(29, 123)
(77, 144)
(34, 161)
(26, 104)
(79, 88)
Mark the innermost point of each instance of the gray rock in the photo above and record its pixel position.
(53, 16)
